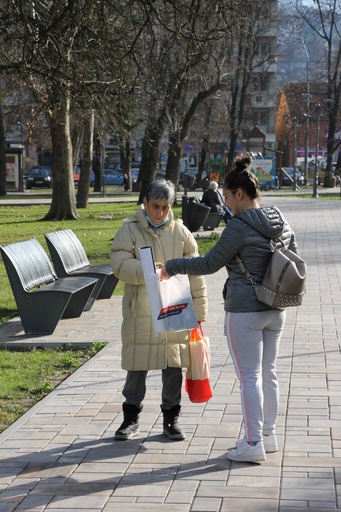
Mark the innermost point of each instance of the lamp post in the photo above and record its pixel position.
(332, 112)
(318, 113)
(293, 125)
(306, 116)
(21, 155)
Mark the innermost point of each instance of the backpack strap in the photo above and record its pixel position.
(245, 271)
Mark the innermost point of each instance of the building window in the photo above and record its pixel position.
(263, 83)
(263, 117)
(260, 117)
(260, 83)
(263, 47)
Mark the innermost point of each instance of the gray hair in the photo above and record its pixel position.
(213, 185)
(161, 189)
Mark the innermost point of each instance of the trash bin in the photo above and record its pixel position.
(187, 180)
(194, 213)
(136, 186)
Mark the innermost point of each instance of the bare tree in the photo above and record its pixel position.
(87, 154)
(2, 155)
(248, 63)
(183, 66)
(324, 20)
(63, 51)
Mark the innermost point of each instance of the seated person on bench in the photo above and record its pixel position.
(214, 199)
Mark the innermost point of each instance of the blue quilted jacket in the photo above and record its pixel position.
(247, 234)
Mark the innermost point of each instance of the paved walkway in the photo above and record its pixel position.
(61, 457)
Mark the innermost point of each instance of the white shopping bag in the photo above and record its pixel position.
(170, 301)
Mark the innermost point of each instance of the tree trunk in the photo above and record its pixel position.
(98, 163)
(338, 163)
(85, 175)
(77, 141)
(125, 157)
(205, 142)
(232, 151)
(3, 188)
(63, 204)
(176, 139)
(328, 178)
(174, 159)
(150, 156)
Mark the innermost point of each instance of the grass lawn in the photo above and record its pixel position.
(95, 228)
(27, 377)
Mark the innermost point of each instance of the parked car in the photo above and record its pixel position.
(191, 172)
(161, 173)
(134, 169)
(290, 171)
(134, 173)
(77, 174)
(40, 177)
(320, 177)
(321, 167)
(112, 177)
(321, 164)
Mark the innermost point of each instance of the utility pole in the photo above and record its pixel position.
(294, 121)
(293, 126)
(306, 142)
(318, 113)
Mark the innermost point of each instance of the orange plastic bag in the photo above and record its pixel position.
(197, 382)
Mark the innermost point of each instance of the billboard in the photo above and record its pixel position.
(13, 169)
(265, 170)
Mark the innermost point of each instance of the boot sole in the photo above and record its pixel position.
(125, 437)
(176, 437)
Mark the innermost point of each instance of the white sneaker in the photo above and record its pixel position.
(245, 452)
(270, 443)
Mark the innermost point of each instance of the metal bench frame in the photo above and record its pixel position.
(69, 259)
(194, 213)
(42, 299)
(213, 220)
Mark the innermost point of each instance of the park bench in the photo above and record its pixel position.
(69, 259)
(212, 221)
(194, 213)
(42, 299)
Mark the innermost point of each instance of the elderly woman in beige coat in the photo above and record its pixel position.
(142, 348)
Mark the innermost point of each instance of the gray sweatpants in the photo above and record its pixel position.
(134, 389)
(253, 340)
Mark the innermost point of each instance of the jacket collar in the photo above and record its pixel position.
(142, 219)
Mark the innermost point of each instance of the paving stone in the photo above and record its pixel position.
(61, 456)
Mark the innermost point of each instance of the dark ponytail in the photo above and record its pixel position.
(241, 177)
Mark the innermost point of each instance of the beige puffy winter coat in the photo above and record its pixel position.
(142, 348)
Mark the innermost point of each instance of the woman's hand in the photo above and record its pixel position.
(164, 274)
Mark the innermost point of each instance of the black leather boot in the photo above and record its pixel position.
(130, 425)
(171, 427)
